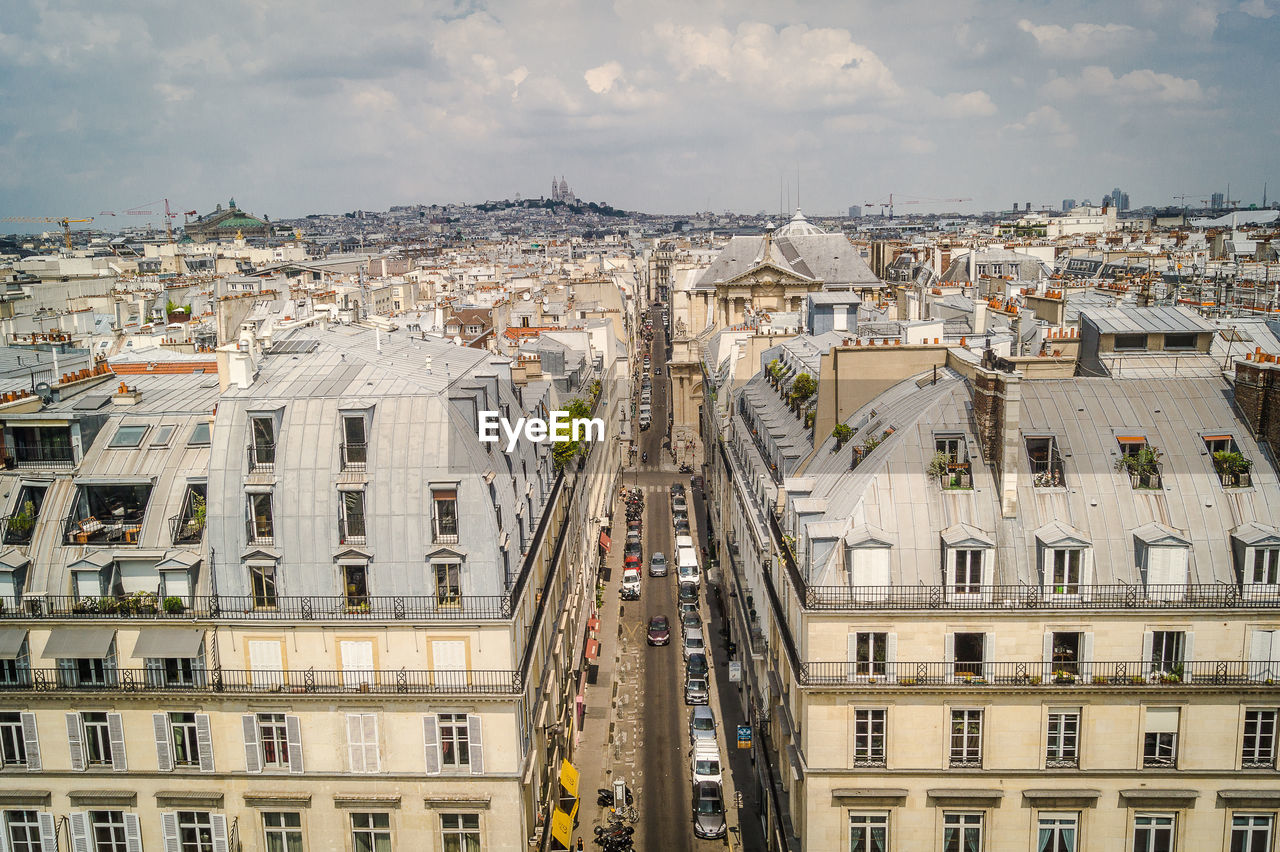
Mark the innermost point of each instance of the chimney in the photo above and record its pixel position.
(1257, 391)
(979, 316)
(997, 408)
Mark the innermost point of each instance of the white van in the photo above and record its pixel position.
(683, 541)
(687, 566)
(706, 762)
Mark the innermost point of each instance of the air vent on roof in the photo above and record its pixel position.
(293, 347)
(91, 403)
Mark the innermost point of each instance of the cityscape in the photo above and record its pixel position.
(499, 497)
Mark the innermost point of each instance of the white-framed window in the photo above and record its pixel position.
(371, 832)
(460, 832)
(1058, 832)
(272, 741)
(1251, 832)
(108, 831)
(261, 521)
(282, 831)
(1153, 832)
(1160, 738)
(195, 831)
(362, 743)
(13, 746)
(962, 832)
(22, 831)
(1168, 651)
(869, 654)
(967, 571)
(273, 736)
(1066, 570)
(352, 519)
(966, 738)
(186, 742)
(448, 577)
(1258, 750)
(97, 739)
(1264, 655)
(444, 502)
(454, 740)
(868, 832)
(869, 736)
(262, 577)
(1062, 748)
(1266, 566)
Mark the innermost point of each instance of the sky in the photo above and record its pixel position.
(662, 106)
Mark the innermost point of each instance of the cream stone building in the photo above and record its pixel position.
(325, 617)
(1010, 607)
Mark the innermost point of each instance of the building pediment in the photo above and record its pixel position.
(445, 553)
(766, 275)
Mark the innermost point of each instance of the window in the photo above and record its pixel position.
(273, 735)
(868, 832)
(19, 526)
(1057, 833)
(1220, 444)
(355, 585)
(1160, 741)
(97, 739)
(1180, 341)
(969, 653)
(199, 435)
(1130, 342)
(195, 831)
(1153, 833)
(1251, 832)
(354, 442)
(13, 746)
(87, 671)
(352, 529)
(1266, 565)
(460, 832)
(262, 452)
(107, 831)
(371, 832)
(1063, 747)
(868, 737)
(1065, 568)
(23, 831)
(870, 654)
(1046, 462)
(951, 446)
(1066, 653)
(1167, 651)
(175, 671)
(454, 740)
(1259, 748)
(446, 515)
(127, 437)
(163, 434)
(968, 572)
(186, 742)
(108, 513)
(962, 832)
(966, 738)
(263, 579)
(261, 521)
(283, 831)
(448, 584)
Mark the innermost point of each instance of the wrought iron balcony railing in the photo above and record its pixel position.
(284, 682)
(1067, 596)
(318, 607)
(1036, 674)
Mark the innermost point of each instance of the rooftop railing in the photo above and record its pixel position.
(370, 607)
(1073, 596)
(1200, 674)
(185, 530)
(284, 682)
(39, 456)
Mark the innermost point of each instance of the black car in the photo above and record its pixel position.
(659, 630)
(708, 810)
(677, 489)
(696, 666)
(682, 525)
(688, 592)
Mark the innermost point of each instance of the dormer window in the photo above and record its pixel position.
(1046, 462)
(968, 559)
(1065, 559)
(1140, 461)
(950, 464)
(1266, 566)
(1256, 549)
(1164, 554)
(1228, 462)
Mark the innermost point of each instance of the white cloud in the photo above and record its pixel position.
(1097, 81)
(1046, 120)
(915, 145)
(1257, 9)
(174, 94)
(1083, 39)
(793, 66)
(967, 104)
(601, 78)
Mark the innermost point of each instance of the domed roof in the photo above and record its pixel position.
(798, 227)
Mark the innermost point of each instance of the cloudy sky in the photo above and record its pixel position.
(656, 105)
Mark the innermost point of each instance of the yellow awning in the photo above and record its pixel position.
(569, 778)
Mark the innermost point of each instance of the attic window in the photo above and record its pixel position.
(1130, 342)
(199, 435)
(1180, 341)
(128, 437)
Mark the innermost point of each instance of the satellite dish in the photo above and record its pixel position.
(44, 391)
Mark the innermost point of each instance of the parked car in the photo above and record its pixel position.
(658, 565)
(694, 643)
(695, 690)
(687, 607)
(690, 619)
(659, 630)
(681, 525)
(679, 504)
(705, 763)
(702, 725)
(687, 569)
(634, 548)
(631, 584)
(688, 593)
(677, 489)
(708, 810)
(696, 665)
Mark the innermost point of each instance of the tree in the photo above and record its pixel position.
(562, 452)
(803, 387)
(842, 433)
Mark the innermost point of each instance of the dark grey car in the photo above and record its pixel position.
(708, 810)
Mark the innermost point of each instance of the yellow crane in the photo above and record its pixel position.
(64, 221)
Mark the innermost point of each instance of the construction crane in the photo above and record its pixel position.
(912, 199)
(1183, 198)
(64, 221)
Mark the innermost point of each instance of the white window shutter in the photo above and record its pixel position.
(221, 841)
(293, 728)
(169, 831)
(48, 832)
(431, 736)
(1273, 654)
(4, 834)
(1086, 670)
(204, 742)
(988, 649)
(164, 755)
(1148, 648)
(372, 757)
(115, 730)
(1047, 657)
(75, 741)
(891, 656)
(852, 668)
(252, 756)
(1188, 654)
(475, 745)
(949, 648)
(132, 833)
(31, 740)
(355, 743)
(79, 821)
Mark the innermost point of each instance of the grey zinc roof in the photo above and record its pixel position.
(829, 258)
(1157, 320)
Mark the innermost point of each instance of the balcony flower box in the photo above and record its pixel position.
(1065, 677)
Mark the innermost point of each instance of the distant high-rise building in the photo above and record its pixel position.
(1118, 199)
(1216, 201)
(1068, 204)
(855, 212)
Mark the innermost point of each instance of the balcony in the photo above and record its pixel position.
(1204, 674)
(1177, 596)
(294, 608)
(185, 530)
(90, 530)
(354, 456)
(19, 531)
(262, 458)
(1048, 473)
(287, 682)
(40, 455)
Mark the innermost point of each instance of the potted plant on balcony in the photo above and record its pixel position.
(842, 433)
(938, 466)
(1233, 467)
(199, 507)
(20, 524)
(1064, 677)
(173, 605)
(1143, 467)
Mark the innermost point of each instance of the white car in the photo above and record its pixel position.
(694, 643)
(706, 762)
